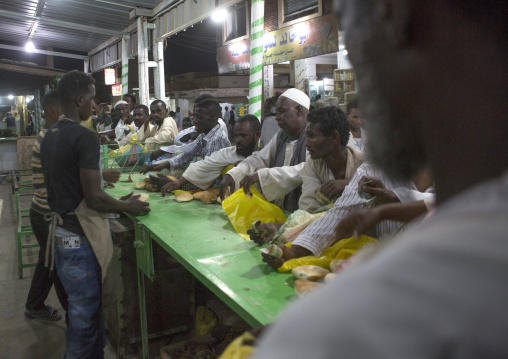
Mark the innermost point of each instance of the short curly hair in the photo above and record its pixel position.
(331, 119)
(72, 84)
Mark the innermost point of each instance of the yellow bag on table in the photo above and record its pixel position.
(343, 249)
(242, 210)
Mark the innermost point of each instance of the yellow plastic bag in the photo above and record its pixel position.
(242, 211)
(238, 350)
(343, 249)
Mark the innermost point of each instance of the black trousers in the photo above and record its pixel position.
(42, 280)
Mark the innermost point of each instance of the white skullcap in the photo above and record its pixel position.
(121, 103)
(297, 96)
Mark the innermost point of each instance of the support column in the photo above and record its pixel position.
(125, 64)
(38, 112)
(256, 57)
(86, 65)
(144, 94)
(159, 78)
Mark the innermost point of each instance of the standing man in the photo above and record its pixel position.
(42, 279)
(10, 120)
(131, 102)
(82, 241)
(355, 125)
(278, 165)
(439, 289)
(226, 115)
(179, 119)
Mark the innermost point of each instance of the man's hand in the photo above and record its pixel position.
(137, 207)
(155, 167)
(358, 223)
(126, 197)
(156, 154)
(147, 123)
(334, 188)
(266, 233)
(272, 261)
(374, 186)
(111, 175)
(248, 181)
(227, 183)
(170, 187)
(159, 181)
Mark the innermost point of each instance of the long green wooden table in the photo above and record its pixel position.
(203, 240)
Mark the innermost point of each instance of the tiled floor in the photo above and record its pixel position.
(21, 338)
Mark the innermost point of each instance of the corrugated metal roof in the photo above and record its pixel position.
(99, 14)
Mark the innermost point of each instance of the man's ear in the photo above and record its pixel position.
(258, 136)
(336, 138)
(78, 100)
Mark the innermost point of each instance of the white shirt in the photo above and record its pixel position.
(120, 129)
(166, 133)
(438, 290)
(179, 121)
(203, 173)
(275, 182)
(321, 233)
(223, 127)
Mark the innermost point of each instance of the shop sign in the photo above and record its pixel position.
(306, 39)
(116, 90)
(234, 57)
(109, 76)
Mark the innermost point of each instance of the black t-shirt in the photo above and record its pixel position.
(66, 148)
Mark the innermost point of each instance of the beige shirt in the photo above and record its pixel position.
(317, 172)
(164, 134)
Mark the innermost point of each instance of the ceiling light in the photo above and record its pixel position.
(29, 47)
(11, 97)
(344, 52)
(219, 15)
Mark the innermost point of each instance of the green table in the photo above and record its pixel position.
(203, 240)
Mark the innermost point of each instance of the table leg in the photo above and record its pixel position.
(142, 314)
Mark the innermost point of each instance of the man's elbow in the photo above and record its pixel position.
(94, 201)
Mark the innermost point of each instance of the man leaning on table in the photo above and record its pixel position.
(203, 173)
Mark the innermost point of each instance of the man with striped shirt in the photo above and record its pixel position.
(320, 234)
(42, 281)
(211, 138)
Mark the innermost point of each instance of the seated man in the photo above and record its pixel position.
(321, 233)
(164, 130)
(203, 173)
(278, 165)
(125, 125)
(210, 139)
(328, 170)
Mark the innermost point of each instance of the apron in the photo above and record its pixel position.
(97, 232)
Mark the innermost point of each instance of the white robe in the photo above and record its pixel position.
(164, 134)
(275, 182)
(203, 173)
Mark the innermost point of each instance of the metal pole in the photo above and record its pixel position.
(125, 64)
(142, 62)
(256, 57)
(38, 113)
(159, 85)
(86, 65)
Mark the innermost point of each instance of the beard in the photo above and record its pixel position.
(247, 150)
(392, 144)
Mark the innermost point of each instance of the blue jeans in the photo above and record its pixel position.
(80, 274)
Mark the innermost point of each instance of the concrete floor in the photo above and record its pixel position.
(22, 338)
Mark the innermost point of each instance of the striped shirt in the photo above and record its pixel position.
(40, 198)
(204, 145)
(321, 233)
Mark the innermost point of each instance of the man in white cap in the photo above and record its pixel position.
(125, 125)
(278, 165)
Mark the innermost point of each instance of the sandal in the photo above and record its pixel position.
(46, 313)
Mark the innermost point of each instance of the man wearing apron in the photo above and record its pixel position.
(79, 242)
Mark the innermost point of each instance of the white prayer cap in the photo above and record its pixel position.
(121, 103)
(297, 96)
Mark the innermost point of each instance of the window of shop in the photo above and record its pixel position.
(292, 11)
(235, 24)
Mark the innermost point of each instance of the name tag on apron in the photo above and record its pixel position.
(70, 242)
